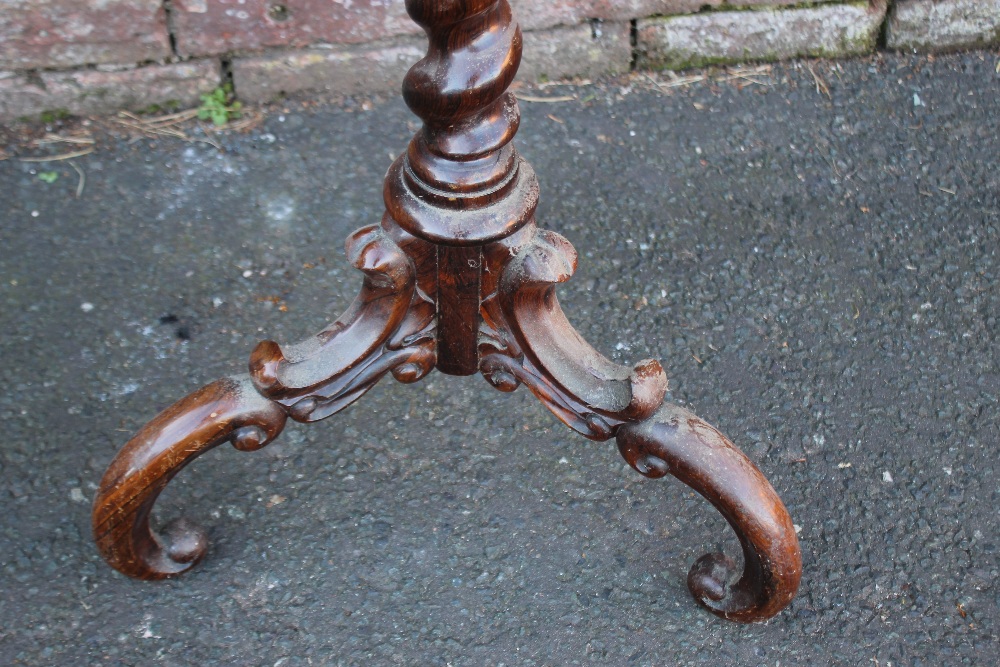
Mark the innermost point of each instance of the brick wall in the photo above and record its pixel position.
(93, 56)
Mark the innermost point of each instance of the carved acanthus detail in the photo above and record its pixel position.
(389, 327)
(526, 338)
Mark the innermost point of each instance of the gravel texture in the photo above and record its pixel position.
(818, 274)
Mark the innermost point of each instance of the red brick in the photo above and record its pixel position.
(738, 4)
(99, 91)
(206, 27)
(557, 53)
(341, 70)
(576, 51)
(535, 14)
(219, 26)
(66, 33)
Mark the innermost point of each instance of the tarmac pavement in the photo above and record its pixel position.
(818, 274)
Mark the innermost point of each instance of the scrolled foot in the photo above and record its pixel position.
(675, 441)
(226, 410)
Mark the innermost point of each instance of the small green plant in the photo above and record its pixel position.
(219, 106)
(49, 177)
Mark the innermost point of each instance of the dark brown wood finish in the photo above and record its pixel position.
(458, 276)
(226, 410)
(459, 270)
(676, 442)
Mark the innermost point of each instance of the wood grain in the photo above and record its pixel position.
(458, 276)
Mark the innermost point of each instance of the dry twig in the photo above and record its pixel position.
(81, 182)
(56, 158)
(82, 139)
(748, 74)
(532, 98)
(249, 120)
(685, 81)
(677, 81)
(163, 126)
(821, 86)
(159, 122)
(575, 82)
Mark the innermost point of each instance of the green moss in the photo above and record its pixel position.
(677, 61)
(53, 115)
(849, 43)
(170, 106)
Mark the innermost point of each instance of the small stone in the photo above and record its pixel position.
(86, 306)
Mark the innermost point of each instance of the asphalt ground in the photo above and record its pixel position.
(818, 273)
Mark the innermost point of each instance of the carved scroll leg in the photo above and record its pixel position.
(677, 442)
(225, 410)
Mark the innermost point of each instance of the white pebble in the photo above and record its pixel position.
(887, 477)
(86, 306)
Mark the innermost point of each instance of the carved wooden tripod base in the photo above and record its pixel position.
(458, 277)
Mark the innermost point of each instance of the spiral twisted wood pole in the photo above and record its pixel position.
(458, 277)
(461, 182)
